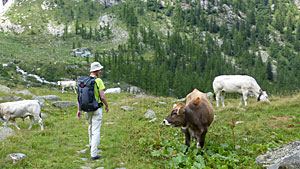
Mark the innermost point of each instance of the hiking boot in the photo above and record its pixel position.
(95, 158)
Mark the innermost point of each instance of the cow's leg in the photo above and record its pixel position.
(241, 101)
(217, 98)
(15, 123)
(63, 90)
(41, 124)
(222, 98)
(187, 138)
(245, 93)
(202, 138)
(74, 89)
(31, 122)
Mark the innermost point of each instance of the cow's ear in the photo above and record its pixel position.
(260, 91)
(197, 100)
(179, 104)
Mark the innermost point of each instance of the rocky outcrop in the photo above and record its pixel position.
(287, 156)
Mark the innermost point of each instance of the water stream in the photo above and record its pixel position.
(38, 78)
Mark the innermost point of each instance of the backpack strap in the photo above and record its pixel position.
(98, 90)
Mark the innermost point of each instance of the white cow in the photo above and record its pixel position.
(21, 109)
(237, 84)
(113, 90)
(64, 84)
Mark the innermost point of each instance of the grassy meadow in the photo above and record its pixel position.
(131, 141)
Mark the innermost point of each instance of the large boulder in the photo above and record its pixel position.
(287, 156)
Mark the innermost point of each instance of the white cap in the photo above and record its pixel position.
(95, 66)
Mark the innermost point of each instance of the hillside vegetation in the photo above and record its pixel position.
(129, 140)
(166, 48)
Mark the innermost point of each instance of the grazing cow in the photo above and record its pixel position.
(113, 90)
(194, 117)
(64, 84)
(237, 84)
(22, 109)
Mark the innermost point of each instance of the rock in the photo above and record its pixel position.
(10, 98)
(113, 90)
(4, 88)
(150, 114)
(160, 102)
(150, 121)
(287, 156)
(16, 156)
(84, 167)
(64, 104)
(82, 151)
(134, 90)
(128, 108)
(6, 132)
(209, 95)
(23, 92)
(43, 115)
(47, 97)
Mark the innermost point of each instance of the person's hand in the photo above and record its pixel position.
(106, 109)
(79, 114)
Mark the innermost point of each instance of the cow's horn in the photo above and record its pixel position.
(197, 100)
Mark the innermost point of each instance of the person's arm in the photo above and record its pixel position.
(78, 112)
(103, 98)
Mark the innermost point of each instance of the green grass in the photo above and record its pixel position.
(130, 139)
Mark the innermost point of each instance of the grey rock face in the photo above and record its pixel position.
(287, 156)
(64, 104)
(6, 132)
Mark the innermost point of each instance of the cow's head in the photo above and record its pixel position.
(263, 96)
(177, 117)
(58, 83)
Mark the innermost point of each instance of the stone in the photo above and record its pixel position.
(47, 97)
(64, 104)
(10, 98)
(16, 156)
(150, 114)
(287, 156)
(23, 92)
(6, 132)
(128, 108)
(4, 88)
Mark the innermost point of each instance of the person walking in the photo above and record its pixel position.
(94, 118)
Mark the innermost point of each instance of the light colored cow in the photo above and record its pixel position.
(64, 84)
(113, 90)
(243, 84)
(21, 109)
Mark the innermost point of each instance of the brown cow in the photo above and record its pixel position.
(194, 117)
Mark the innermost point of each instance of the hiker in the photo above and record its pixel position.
(93, 114)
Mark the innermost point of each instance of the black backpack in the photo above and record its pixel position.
(86, 94)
